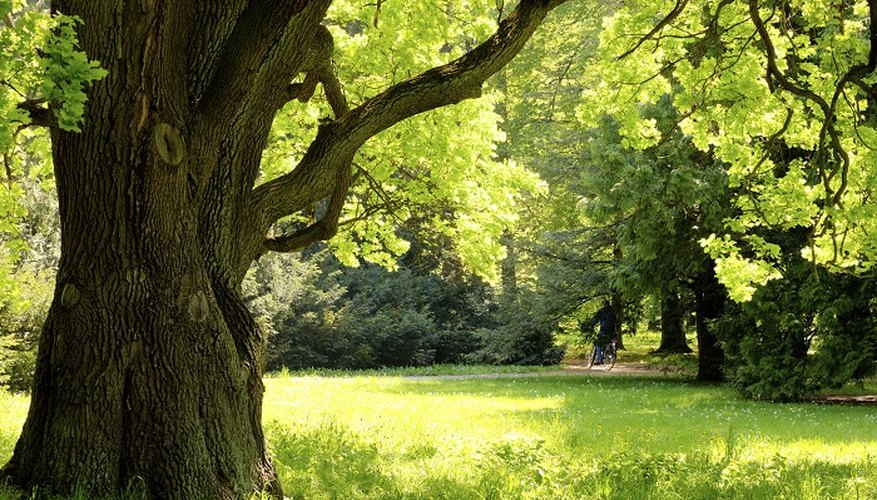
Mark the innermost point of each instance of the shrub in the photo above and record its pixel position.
(21, 322)
(798, 335)
(521, 337)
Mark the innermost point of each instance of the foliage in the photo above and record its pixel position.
(778, 92)
(798, 335)
(320, 314)
(20, 330)
(538, 94)
(439, 168)
(661, 202)
(56, 74)
(323, 315)
(522, 336)
(29, 247)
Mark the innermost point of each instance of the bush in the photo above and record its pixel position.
(319, 314)
(798, 335)
(521, 337)
(21, 322)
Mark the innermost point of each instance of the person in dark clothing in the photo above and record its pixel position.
(605, 316)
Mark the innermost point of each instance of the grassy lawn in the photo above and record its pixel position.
(551, 437)
(562, 437)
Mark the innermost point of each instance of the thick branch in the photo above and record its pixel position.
(323, 229)
(335, 143)
(257, 30)
(39, 115)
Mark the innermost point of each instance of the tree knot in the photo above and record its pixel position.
(169, 143)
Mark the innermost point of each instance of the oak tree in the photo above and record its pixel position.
(149, 367)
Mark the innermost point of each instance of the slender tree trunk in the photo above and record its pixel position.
(710, 302)
(672, 330)
(509, 267)
(618, 309)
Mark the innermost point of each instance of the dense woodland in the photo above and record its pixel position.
(706, 166)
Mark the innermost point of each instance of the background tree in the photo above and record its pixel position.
(554, 266)
(782, 93)
(150, 364)
(661, 202)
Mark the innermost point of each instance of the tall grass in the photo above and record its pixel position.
(551, 437)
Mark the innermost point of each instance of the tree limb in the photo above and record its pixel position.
(337, 142)
(677, 9)
(828, 132)
(39, 115)
(255, 33)
(324, 228)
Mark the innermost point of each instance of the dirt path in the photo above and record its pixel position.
(624, 369)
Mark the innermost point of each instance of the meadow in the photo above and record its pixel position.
(550, 436)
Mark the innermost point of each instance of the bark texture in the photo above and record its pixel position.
(149, 368)
(672, 324)
(709, 304)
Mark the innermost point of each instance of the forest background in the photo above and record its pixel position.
(717, 180)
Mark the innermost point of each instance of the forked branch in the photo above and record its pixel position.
(315, 177)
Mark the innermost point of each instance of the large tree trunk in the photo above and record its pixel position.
(139, 376)
(149, 367)
(709, 304)
(672, 330)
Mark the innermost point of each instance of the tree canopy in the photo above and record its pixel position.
(782, 93)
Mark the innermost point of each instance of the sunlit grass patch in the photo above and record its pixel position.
(13, 410)
(573, 437)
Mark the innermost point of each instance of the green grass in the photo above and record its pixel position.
(561, 437)
(551, 437)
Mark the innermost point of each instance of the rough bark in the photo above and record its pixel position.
(672, 324)
(149, 368)
(709, 304)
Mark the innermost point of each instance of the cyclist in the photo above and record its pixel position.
(605, 316)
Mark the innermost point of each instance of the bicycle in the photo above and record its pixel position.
(610, 355)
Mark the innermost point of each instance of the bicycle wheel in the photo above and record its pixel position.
(609, 356)
(592, 356)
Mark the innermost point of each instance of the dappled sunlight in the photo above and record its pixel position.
(811, 450)
(580, 414)
(562, 437)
